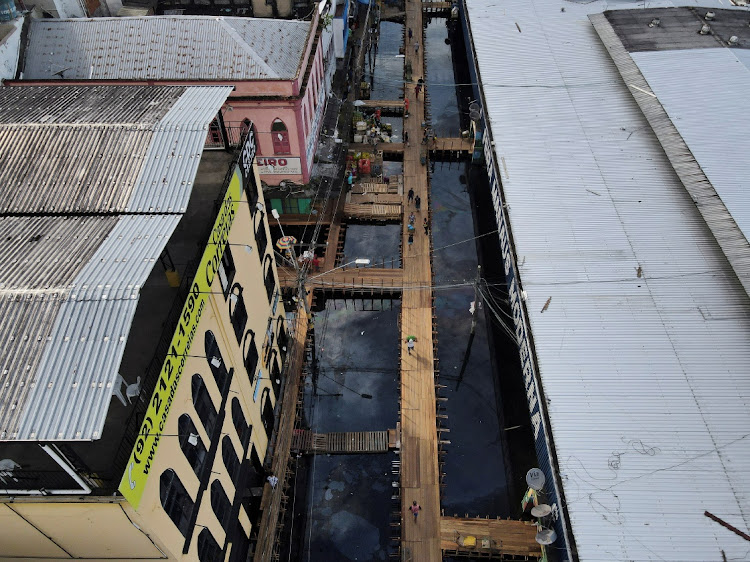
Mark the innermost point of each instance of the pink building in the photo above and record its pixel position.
(280, 69)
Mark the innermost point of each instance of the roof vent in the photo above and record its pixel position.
(656, 22)
(733, 40)
(710, 16)
(705, 29)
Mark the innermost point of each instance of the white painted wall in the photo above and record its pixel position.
(10, 47)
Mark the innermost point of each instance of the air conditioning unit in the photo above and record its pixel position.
(705, 29)
(733, 40)
(709, 16)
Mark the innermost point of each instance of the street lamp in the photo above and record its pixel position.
(358, 262)
(297, 269)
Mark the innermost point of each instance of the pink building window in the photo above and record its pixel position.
(280, 137)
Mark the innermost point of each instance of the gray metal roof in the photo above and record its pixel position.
(70, 283)
(166, 48)
(645, 378)
(104, 149)
(711, 127)
(68, 292)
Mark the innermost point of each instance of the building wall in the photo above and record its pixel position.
(138, 526)
(10, 47)
(62, 529)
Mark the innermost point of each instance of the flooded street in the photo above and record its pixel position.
(347, 507)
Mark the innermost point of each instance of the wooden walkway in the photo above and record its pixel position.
(353, 280)
(433, 7)
(271, 508)
(498, 539)
(375, 198)
(419, 454)
(372, 212)
(450, 144)
(353, 442)
(393, 105)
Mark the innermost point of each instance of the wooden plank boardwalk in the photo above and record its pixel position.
(452, 144)
(369, 280)
(495, 538)
(419, 455)
(372, 212)
(375, 198)
(347, 443)
(271, 508)
(391, 105)
(434, 7)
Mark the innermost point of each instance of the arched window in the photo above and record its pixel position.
(237, 311)
(175, 500)
(280, 137)
(275, 374)
(261, 239)
(203, 404)
(226, 270)
(282, 337)
(216, 361)
(268, 279)
(208, 549)
(191, 444)
(230, 458)
(267, 413)
(238, 420)
(221, 505)
(250, 353)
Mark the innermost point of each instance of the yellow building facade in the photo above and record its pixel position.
(192, 486)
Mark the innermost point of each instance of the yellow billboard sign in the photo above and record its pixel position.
(142, 457)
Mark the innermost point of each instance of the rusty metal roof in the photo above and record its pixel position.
(166, 48)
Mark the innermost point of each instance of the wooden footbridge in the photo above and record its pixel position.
(351, 442)
(484, 538)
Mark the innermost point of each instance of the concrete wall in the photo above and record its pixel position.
(10, 48)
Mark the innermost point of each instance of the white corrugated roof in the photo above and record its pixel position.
(715, 127)
(646, 378)
(166, 48)
(70, 283)
(65, 327)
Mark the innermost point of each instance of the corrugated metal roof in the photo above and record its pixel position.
(69, 291)
(69, 284)
(712, 128)
(166, 48)
(645, 378)
(83, 158)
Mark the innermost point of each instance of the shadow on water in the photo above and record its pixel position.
(477, 461)
(386, 77)
(380, 244)
(348, 497)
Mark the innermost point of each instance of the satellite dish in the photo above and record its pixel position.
(541, 510)
(474, 115)
(535, 479)
(546, 536)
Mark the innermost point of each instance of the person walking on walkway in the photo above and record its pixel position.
(406, 138)
(416, 47)
(410, 343)
(418, 202)
(415, 509)
(412, 216)
(426, 226)
(409, 34)
(411, 241)
(410, 196)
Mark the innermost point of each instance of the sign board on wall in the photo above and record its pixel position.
(279, 165)
(141, 459)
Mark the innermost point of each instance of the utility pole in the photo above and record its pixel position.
(473, 326)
